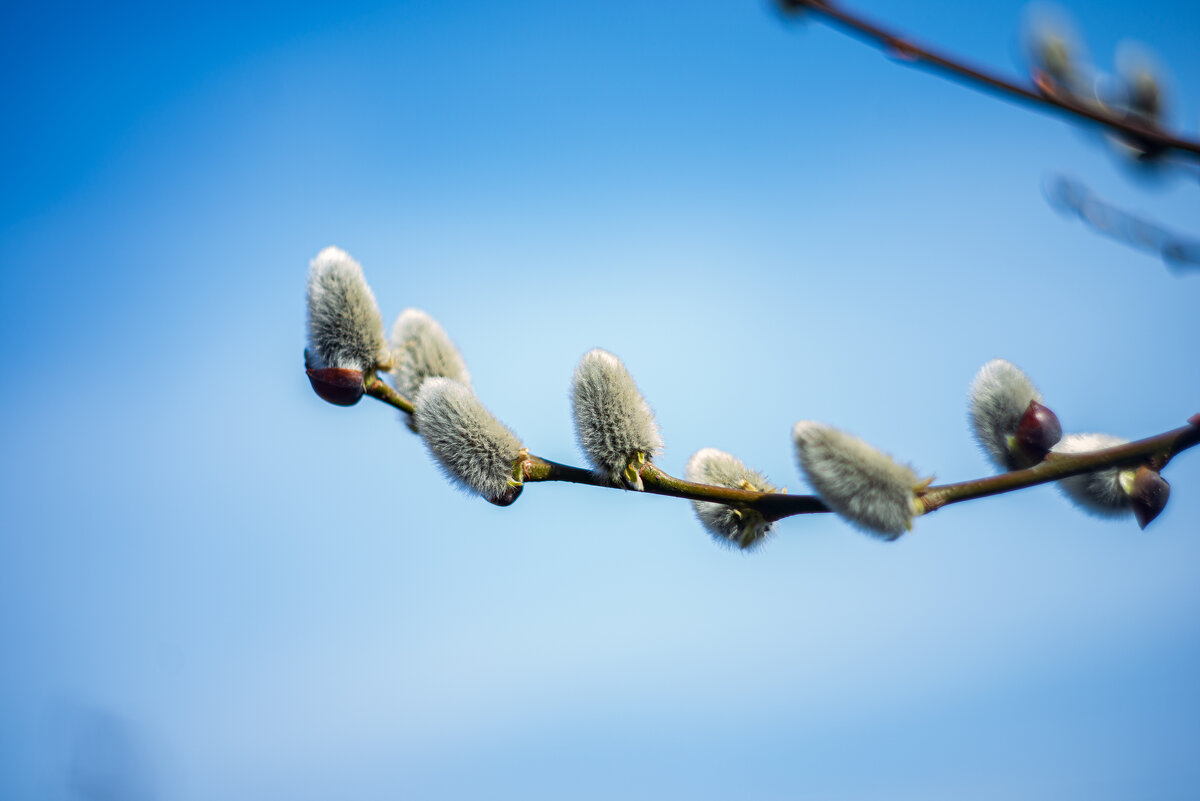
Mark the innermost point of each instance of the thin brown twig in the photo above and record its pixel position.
(1152, 139)
(772, 505)
(1154, 452)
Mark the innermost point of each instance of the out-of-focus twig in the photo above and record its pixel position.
(1149, 139)
(1155, 451)
(1072, 197)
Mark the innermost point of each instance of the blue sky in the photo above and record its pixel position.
(213, 585)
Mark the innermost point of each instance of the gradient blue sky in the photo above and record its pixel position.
(214, 586)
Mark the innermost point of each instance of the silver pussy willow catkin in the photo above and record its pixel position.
(738, 527)
(863, 485)
(344, 327)
(613, 423)
(421, 350)
(999, 396)
(474, 449)
(1099, 492)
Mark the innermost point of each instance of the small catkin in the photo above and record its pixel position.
(729, 525)
(863, 485)
(474, 449)
(420, 350)
(1099, 492)
(1054, 50)
(1139, 74)
(1050, 50)
(344, 327)
(613, 423)
(998, 398)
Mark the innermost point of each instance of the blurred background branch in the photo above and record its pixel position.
(1136, 122)
(1071, 197)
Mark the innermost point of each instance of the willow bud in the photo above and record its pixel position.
(1013, 427)
(1148, 495)
(337, 385)
(1037, 432)
(421, 350)
(1100, 492)
(345, 331)
(613, 422)
(863, 485)
(1054, 52)
(736, 526)
(473, 448)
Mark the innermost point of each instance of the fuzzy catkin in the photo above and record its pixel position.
(729, 525)
(473, 448)
(999, 396)
(1098, 492)
(421, 350)
(863, 485)
(345, 329)
(613, 423)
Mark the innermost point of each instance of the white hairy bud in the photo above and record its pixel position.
(1102, 492)
(474, 449)
(613, 423)
(863, 485)
(420, 350)
(999, 397)
(739, 527)
(345, 330)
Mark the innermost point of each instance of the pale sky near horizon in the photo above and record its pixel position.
(215, 586)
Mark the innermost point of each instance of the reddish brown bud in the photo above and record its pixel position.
(1037, 432)
(900, 50)
(337, 385)
(1046, 84)
(508, 497)
(1149, 495)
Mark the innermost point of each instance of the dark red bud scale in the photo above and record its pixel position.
(1045, 84)
(508, 497)
(1149, 495)
(337, 385)
(1038, 431)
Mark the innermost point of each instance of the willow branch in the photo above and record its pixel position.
(1153, 451)
(904, 49)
